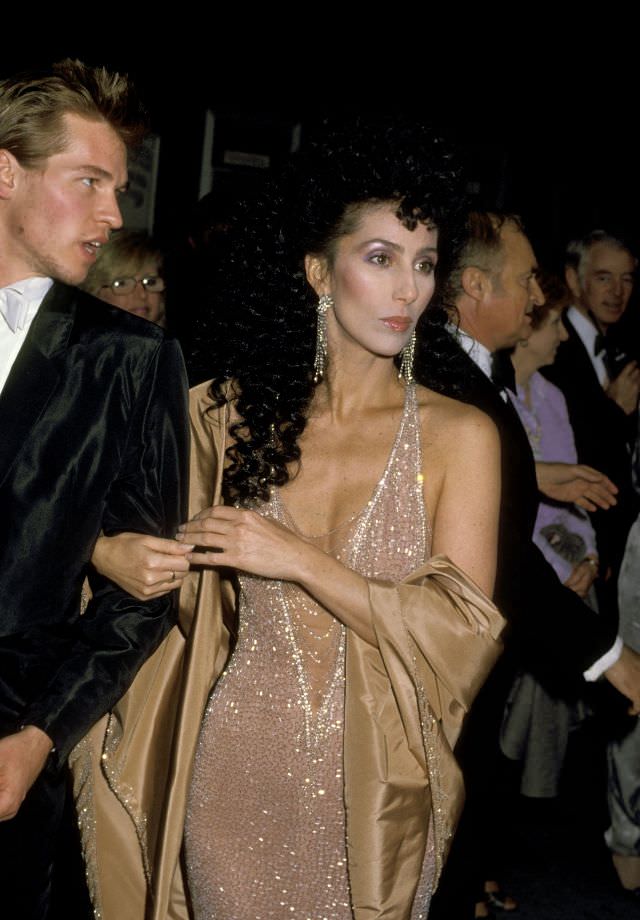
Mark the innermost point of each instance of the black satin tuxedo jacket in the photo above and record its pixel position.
(603, 435)
(93, 437)
(553, 633)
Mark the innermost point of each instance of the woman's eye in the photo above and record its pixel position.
(89, 181)
(380, 258)
(426, 266)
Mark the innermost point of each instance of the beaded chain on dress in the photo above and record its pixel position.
(265, 828)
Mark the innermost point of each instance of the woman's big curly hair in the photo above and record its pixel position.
(261, 336)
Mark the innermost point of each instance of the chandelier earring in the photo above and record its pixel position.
(407, 356)
(324, 304)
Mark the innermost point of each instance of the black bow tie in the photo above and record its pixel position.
(502, 372)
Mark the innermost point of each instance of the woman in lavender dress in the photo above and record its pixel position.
(563, 533)
(537, 725)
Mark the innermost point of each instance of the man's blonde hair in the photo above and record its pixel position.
(33, 106)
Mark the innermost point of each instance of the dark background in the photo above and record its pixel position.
(545, 112)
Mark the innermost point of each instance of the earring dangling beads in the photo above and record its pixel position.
(324, 304)
(407, 356)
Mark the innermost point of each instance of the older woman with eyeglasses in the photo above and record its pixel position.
(128, 274)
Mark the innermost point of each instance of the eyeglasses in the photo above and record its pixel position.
(153, 284)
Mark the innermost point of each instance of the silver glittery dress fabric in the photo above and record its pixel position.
(265, 827)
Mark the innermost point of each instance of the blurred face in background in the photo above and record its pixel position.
(604, 285)
(543, 342)
(138, 290)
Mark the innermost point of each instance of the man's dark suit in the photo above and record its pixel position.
(94, 438)
(557, 636)
(552, 633)
(602, 432)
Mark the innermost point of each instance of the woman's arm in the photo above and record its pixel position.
(466, 513)
(245, 540)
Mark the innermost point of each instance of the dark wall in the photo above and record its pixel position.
(548, 142)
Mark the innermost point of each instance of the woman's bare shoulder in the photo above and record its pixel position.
(451, 417)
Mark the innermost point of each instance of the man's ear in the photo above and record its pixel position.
(317, 272)
(573, 282)
(475, 282)
(8, 170)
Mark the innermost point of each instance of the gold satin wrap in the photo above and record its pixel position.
(438, 637)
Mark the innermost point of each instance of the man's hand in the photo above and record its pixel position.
(626, 387)
(625, 677)
(146, 567)
(22, 757)
(577, 483)
(582, 577)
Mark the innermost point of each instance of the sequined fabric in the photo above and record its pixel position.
(265, 828)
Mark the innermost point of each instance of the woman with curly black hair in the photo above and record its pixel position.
(350, 518)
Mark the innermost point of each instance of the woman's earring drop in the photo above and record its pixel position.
(324, 304)
(407, 356)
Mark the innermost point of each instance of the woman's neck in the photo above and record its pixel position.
(367, 382)
(523, 366)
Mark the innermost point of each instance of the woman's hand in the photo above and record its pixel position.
(625, 388)
(144, 566)
(22, 757)
(575, 482)
(246, 540)
(582, 577)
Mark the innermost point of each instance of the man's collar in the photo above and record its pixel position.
(584, 327)
(479, 353)
(20, 300)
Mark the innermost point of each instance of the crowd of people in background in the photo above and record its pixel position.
(501, 403)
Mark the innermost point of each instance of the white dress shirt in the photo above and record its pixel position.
(588, 332)
(479, 353)
(19, 303)
(481, 356)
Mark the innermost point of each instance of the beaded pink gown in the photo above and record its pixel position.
(265, 829)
